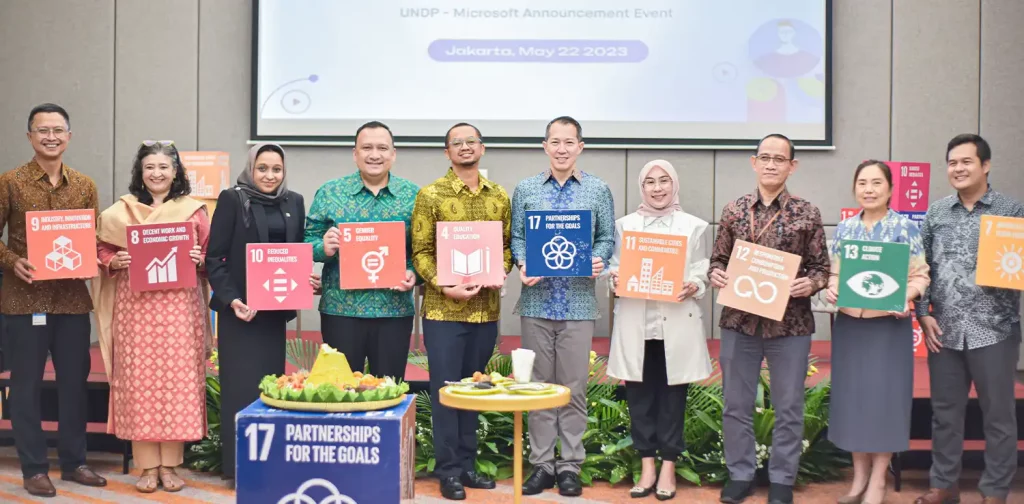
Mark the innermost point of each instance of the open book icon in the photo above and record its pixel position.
(472, 263)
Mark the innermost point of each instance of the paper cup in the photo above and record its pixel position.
(522, 365)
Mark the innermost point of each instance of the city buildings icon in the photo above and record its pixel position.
(649, 283)
(163, 270)
(63, 256)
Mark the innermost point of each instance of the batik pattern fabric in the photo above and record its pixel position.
(563, 298)
(347, 200)
(969, 315)
(448, 199)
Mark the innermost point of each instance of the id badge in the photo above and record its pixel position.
(38, 319)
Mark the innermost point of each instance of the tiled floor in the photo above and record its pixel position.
(204, 488)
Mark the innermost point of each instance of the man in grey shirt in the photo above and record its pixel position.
(973, 333)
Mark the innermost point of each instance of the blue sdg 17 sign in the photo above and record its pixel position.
(559, 243)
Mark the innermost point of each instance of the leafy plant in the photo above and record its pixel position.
(301, 353)
(205, 455)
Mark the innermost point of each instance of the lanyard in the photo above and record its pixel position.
(756, 237)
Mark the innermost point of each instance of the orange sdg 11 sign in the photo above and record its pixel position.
(1000, 252)
(207, 172)
(651, 266)
(62, 243)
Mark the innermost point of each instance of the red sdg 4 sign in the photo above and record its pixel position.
(277, 276)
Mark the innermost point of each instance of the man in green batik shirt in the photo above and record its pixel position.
(372, 324)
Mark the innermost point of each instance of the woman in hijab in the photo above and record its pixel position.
(155, 366)
(251, 343)
(646, 334)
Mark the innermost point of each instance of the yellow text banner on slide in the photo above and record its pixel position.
(1000, 252)
(759, 280)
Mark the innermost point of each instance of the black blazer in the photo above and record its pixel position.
(225, 253)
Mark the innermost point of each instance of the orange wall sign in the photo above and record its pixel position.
(759, 280)
(207, 172)
(1000, 252)
(62, 243)
(651, 266)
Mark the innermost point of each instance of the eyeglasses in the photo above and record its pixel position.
(46, 131)
(766, 159)
(469, 142)
(164, 143)
(652, 183)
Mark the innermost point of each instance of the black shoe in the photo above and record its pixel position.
(780, 494)
(736, 491)
(451, 489)
(473, 479)
(538, 482)
(569, 484)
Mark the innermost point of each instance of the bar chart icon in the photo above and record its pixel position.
(163, 270)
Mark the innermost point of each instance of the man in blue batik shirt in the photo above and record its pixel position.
(558, 314)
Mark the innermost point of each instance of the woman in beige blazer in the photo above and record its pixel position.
(646, 335)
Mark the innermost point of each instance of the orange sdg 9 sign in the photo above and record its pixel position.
(1000, 252)
(62, 243)
(651, 266)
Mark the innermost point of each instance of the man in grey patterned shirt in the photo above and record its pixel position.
(973, 333)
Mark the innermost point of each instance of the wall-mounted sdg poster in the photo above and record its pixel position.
(873, 275)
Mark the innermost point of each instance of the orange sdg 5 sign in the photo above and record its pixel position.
(651, 266)
(1000, 252)
(62, 243)
(759, 280)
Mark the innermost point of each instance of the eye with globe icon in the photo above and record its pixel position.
(872, 284)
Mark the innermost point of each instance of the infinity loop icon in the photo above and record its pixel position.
(755, 289)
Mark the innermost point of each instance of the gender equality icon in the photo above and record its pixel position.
(559, 243)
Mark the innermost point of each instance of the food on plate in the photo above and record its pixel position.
(472, 389)
(331, 380)
(531, 389)
(495, 378)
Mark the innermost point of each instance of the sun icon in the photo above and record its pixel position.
(1010, 263)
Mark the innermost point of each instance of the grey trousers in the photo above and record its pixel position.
(993, 370)
(562, 356)
(740, 360)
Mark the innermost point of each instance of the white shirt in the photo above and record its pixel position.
(655, 329)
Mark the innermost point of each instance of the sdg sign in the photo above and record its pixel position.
(558, 243)
(873, 275)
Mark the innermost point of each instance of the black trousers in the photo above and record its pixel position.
(657, 410)
(66, 338)
(384, 341)
(455, 350)
(247, 351)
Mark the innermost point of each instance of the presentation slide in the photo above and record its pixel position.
(657, 71)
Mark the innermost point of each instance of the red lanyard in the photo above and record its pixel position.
(756, 237)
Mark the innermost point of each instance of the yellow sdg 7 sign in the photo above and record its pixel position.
(1000, 252)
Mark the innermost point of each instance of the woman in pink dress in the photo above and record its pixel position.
(154, 342)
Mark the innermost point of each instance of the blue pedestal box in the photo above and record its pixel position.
(325, 458)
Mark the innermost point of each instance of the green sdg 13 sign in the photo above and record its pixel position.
(873, 275)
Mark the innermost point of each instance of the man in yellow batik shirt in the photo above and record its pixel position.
(460, 325)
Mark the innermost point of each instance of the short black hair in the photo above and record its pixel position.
(48, 108)
(792, 149)
(567, 121)
(984, 151)
(179, 186)
(447, 136)
(886, 172)
(373, 125)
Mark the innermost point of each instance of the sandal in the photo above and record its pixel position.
(148, 482)
(170, 479)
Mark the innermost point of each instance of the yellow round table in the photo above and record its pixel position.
(517, 404)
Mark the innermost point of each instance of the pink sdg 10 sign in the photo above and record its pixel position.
(910, 182)
(277, 276)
